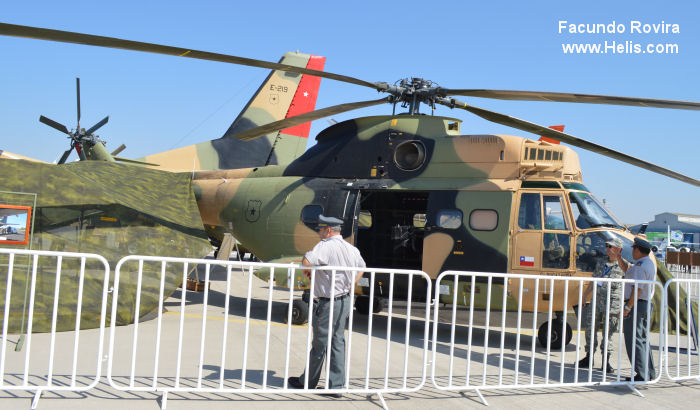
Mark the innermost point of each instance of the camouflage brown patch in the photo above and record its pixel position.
(436, 248)
(216, 195)
(179, 159)
(305, 238)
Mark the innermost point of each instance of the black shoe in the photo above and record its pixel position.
(637, 378)
(295, 382)
(608, 368)
(331, 395)
(583, 362)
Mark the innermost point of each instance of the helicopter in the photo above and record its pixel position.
(412, 189)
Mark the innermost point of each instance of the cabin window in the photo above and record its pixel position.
(553, 213)
(364, 221)
(533, 152)
(449, 218)
(419, 220)
(548, 155)
(540, 154)
(483, 219)
(310, 213)
(530, 214)
(15, 224)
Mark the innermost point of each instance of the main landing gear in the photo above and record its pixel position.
(300, 309)
(557, 334)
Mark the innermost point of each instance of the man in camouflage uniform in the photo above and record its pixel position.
(605, 268)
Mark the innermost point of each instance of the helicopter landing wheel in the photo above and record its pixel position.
(300, 312)
(556, 336)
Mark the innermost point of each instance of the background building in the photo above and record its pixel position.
(685, 229)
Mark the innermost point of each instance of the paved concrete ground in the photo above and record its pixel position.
(664, 394)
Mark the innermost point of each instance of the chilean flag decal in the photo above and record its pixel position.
(527, 261)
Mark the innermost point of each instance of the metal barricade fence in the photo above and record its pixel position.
(226, 327)
(474, 361)
(46, 293)
(682, 352)
(692, 291)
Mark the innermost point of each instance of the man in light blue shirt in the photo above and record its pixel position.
(332, 250)
(638, 306)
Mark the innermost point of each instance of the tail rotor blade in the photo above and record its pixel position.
(65, 155)
(53, 124)
(118, 150)
(97, 126)
(77, 93)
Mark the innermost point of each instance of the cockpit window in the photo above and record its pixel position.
(530, 213)
(576, 186)
(553, 213)
(588, 213)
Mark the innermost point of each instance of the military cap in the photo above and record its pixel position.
(615, 242)
(642, 244)
(324, 221)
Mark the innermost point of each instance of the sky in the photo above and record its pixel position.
(156, 103)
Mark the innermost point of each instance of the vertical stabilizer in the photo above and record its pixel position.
(281, 95)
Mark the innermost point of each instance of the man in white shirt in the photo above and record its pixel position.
(332, 250)
(638, 306)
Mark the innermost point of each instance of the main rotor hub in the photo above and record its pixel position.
(411, 92)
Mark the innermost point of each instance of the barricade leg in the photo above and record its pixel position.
(35, 400)
(635, 390)
(381, 400)
(481, 397)
(164, 400)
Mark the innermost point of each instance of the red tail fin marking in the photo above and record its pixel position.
(305, 98)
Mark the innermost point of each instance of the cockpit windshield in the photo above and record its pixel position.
(588, 213)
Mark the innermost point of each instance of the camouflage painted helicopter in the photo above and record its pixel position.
(415, 192)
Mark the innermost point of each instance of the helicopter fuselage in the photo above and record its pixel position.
(416, 194)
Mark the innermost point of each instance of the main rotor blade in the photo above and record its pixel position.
(77, 93)
(118, 150)
(569, 139)
(53, 124)
(97, 126)
(111, 42)
(65, 155)
(306, 117)
(575, 98)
